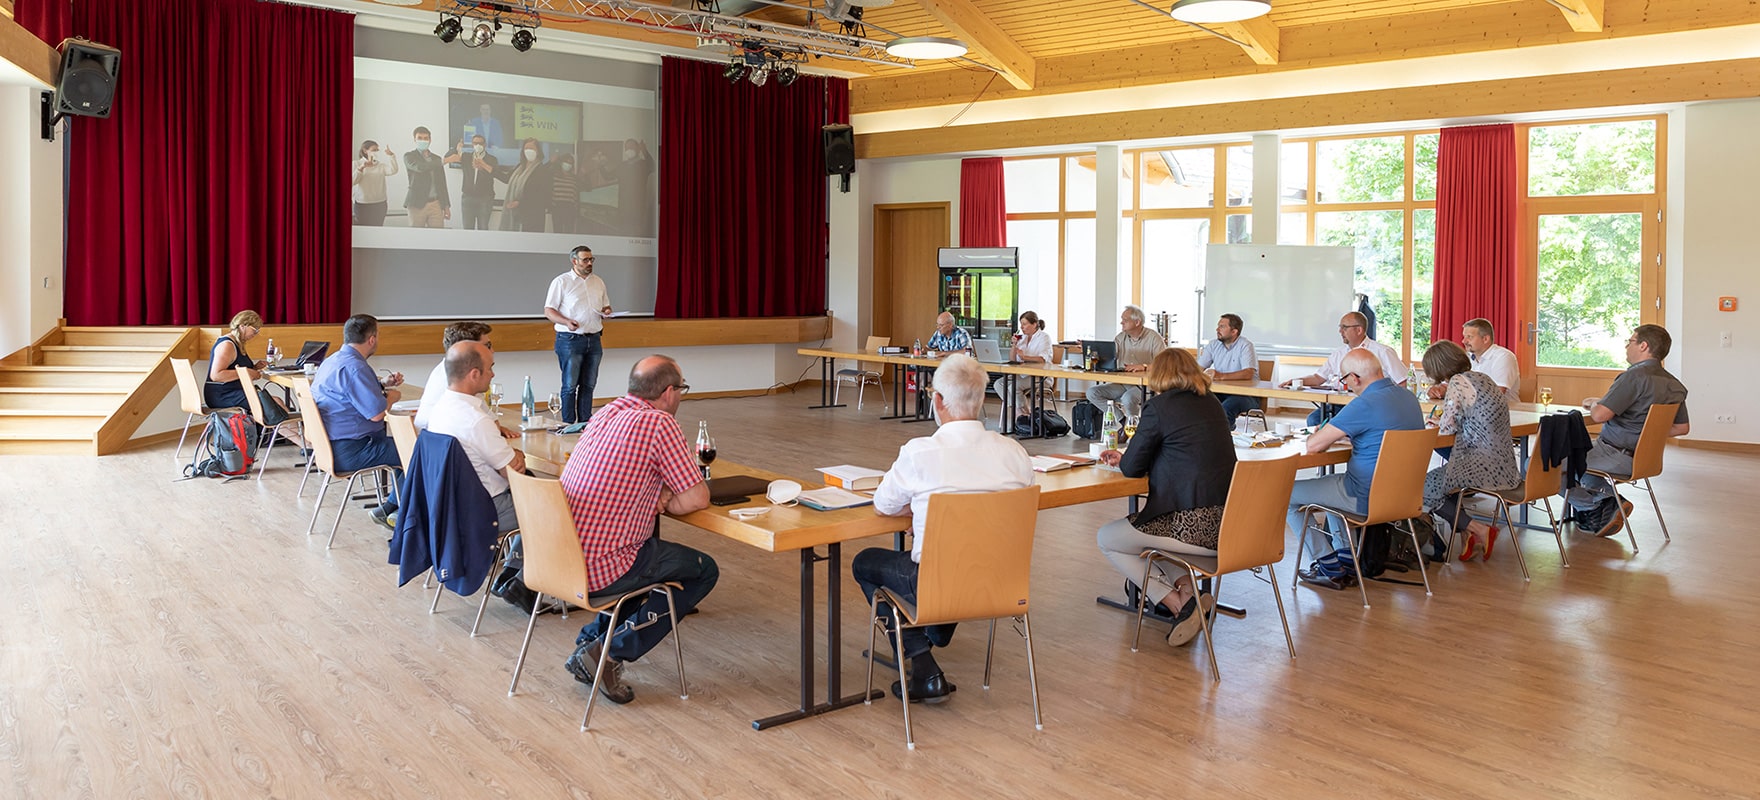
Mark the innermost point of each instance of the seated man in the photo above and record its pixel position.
(948, 337)
(1135, 346)
(459, 413)
(960, 457)
(438, 383)
(1381, 406)
(1230, 357)
(631, 464)
(1488, 357)
(353, 403)
(1622, 412)
(1351, 328)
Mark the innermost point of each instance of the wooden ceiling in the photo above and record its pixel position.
(1028, 48)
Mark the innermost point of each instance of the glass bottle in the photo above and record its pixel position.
(528, 405)
(1109, 427)
(705, 447)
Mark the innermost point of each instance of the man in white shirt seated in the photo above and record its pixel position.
(467, 331)
(1489, 357)
(1352, 328)
(960, 457)
(1230, 357)
(459, 412)
(1134, 347)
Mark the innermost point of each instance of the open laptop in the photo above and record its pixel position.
(988, 353)
(310, 353)
(1105, 353)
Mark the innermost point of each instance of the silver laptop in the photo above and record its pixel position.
(988, 352)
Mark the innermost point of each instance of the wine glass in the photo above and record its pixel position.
(495, 399)
(1130, 430)
(1545, 397)
(705, 450)
(555, 406)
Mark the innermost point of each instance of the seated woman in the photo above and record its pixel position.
(1184, 445)
(223, 388)
(1032, 345)
(1476, 413)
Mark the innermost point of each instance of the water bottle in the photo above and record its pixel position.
(528, 405)
(1109, 427)
(270, 353)
(917, 348)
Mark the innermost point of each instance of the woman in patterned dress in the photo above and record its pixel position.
(1476, 414)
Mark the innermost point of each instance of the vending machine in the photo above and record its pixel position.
(980, 286)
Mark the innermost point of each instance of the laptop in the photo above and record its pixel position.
(988, 353)
(1105, 353)
(310, 353)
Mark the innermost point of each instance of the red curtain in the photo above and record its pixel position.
(50, 20)
(220, 181)
(743, 228)
(1476, 213)
(983, 214)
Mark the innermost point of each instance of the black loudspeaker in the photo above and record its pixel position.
(87, 83)
(840, 149)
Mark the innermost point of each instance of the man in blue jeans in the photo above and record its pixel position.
(577, 303)
(353, 403)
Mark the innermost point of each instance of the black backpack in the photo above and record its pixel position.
(1085, 420)
(1051, 424)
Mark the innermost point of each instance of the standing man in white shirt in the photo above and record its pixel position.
(1230, 357)
(578, 303)
(1352, 328)
(960, 457)
(459, 413)
(437, 384)
(1489, 357)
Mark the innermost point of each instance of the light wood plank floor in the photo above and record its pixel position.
(188, 639)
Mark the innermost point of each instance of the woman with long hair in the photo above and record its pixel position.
(528, 190)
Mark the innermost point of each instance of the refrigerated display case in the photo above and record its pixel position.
(980, 286)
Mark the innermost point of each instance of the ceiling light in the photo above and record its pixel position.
(759, 76)
(448, 29)
(869, 3)
(481, 36)
(918, 48)
(786, 75)
(1214, 11)
(735, 70)
(523, 40)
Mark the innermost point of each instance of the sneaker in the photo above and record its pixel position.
(382, 517)
(1188, 623)
(586, 658)
(1615, 522)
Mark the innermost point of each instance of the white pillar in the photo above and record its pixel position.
(1267, 182)
(1109, 275)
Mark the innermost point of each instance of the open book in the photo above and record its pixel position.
(831, 497)
(1057, 461)
(852, 477)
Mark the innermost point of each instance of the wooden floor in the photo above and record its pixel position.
(188, 639)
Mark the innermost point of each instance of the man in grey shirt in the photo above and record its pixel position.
(1622, 413)
(1229, 357)
(1135, 346)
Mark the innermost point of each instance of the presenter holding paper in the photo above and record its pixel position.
(578, 304)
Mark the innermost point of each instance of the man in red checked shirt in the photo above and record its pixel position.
(631, 465)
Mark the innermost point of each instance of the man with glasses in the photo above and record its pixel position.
(948, 337)
(1622, 413)
(1134, 347)
(1381, 406)
(1352, 328)
(578, 303)
(631, 465)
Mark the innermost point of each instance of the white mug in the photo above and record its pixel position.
(1283, 429)
(310, 370)
(783, 492)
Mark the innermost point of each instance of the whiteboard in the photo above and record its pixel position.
(1289, 297)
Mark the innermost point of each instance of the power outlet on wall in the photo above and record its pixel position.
(1726, 419)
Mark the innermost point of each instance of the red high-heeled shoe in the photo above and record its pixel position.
(1491, 541)
(1468, 548)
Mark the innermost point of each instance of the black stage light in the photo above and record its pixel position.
(786, 75)
(523, 39)
(448, 29)
(734, 72)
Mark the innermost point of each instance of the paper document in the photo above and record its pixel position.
(831, 497)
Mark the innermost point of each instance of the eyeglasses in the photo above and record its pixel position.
(683, 388)
(1349, 375)
(1343, 327)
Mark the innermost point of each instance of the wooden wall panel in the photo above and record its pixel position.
(24, 49)
(423, 338)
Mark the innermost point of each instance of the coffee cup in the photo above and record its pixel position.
(310, 370)
(1094, 450)
(1283, 429)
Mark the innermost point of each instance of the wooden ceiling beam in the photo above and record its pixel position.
(986, 39)
(1585, 16)
(1258, 36)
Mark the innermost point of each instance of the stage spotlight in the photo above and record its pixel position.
(481, 36)
(448, 29)
(734, 72)
(759, 76)
(786, 75)
(523, 40)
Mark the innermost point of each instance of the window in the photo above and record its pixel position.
(1360, 170)
(1030, 185)
(1173, 266)
(1596, 158)
(1379, 238)
(1179, 178)
(1588, 270)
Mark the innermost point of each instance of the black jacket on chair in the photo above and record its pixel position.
(1183, 443)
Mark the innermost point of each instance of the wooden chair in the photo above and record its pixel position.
(1646, 464)
(324, 458)
(1251, 537)
(863, 374)
(554, 566)
(1537, 487)
(248, 378)
(403, 433)
(189, 395)
(1396, 494)
(976, 564)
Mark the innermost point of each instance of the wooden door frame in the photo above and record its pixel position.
(882, 256)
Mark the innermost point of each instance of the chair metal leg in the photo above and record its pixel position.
(263, 463)
(1515, 541)
(677, 643)
(1423, 570)
(1350, 542)
(323, 488)
(904, 683)
(1204, 623)
(1143, 601)
(341, 508)
(438, 588)
(1658, 507)
(989, 653)
(519, 661)
(1557, 534)
(1278, 595)
(427, 579)
(873, 626)
(1032, 676)
(305, 477)
(494, 569)
(836, 390)
(178, 456)
(1619, 507)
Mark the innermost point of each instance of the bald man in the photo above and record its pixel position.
(459, 412)
(1353, 330)
(1380, 406)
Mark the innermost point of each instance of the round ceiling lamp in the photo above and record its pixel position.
(870, 3)
(1214, 11)
(920, 48)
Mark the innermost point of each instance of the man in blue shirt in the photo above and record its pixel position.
(948, 337)
(353, 403)
(1230, 357)
(1380, 406)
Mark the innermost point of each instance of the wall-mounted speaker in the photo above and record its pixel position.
(86, 86)
(840, 149)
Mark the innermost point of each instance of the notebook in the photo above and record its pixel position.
(988, 352)
(831, 497)
(736, 486)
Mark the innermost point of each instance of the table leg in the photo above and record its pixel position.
(827, 382)
(833, 639)
(898, 383)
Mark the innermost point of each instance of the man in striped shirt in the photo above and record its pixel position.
(630, 466)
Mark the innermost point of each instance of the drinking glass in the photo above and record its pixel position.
(1545, 397)
(705, 451)
(555, 406)
(495, 399)
(1130, 429)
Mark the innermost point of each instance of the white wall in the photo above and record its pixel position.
(928, 180)
(30, 222)
(1721, 176)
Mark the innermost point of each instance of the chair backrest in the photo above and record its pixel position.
(1397, 490)
(1253, 520)
(247, 379)
(323, 457)
(874, 343)
(1647, 456)
(553, 561)
(189, 391)
(1538, 482)
(403, 434)
(977, 555)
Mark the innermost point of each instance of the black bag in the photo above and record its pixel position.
(1051, 424)
(1374, 550)
(1085, 419)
